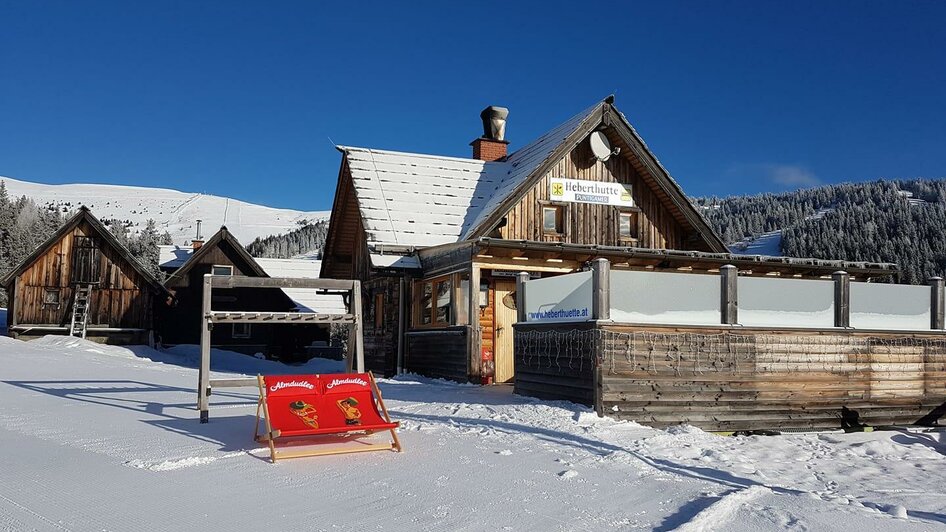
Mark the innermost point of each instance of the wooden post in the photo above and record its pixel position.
(728, 294)
(203, 385)
(403, 317)
(842, 299)
(521, 279)
(601, 289)
(358, 327)
(598, 388)
(936, 304)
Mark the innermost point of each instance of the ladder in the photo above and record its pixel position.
(80, 310)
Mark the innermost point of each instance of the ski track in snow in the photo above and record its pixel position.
(108, 438)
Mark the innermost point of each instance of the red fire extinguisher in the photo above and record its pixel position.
(488, 366)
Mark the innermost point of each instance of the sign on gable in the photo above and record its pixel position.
(598, 192)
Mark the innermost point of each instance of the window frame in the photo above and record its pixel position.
(228, 266)
(247, 334)
(635, 225)
(417, 314)
(52, 290)
(559, 219)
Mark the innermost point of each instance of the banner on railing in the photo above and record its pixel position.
(562, 298)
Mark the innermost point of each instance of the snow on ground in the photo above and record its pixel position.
(107, 438)
(174, 211)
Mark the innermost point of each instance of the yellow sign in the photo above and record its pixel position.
(558, 189)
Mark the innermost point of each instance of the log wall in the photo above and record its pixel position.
(596, 224)
(121, 299)
(749, 378)
(438, 353)
(554, 362)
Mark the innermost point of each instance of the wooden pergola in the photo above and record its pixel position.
(351, 289)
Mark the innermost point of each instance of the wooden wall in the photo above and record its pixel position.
(439, 353)
(381, 343)
(596, 224)
(348, 258)
(555, 368)
(486, 317)
(122, 299)
(749, 379)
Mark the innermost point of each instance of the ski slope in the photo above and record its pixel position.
(107, 438)
(173, 211)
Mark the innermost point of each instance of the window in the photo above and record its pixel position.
(463, 299)
(51, 296)
(627, 225)
(379, 310)
(221, 270)
(426, 314)
(443, 301)
(552, 219)
(242, 330)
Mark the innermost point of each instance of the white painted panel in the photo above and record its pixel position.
(562, 298)
(670, 298)
(890, 306)
(773, 302)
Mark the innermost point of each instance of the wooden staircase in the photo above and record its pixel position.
(80, 310)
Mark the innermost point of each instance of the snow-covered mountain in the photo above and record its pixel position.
(174, 211)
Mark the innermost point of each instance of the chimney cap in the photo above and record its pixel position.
(494, 122)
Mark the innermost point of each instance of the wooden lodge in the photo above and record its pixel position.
(83, 282)
(223, 254)
(437, 241)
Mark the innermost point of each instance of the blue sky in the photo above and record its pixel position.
(241, 98)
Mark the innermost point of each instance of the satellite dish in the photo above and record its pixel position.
(600, 146)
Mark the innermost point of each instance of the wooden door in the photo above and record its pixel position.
(504, 317)
(85, 260)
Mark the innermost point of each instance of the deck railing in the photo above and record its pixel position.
(672, 298)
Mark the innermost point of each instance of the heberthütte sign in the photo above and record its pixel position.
(598, 192)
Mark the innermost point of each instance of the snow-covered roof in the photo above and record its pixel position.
(303, 268)
(409, 262)
(174, 256)
(306, 299)
(412, 199)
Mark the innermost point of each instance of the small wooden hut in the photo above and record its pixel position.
(83, 282)
(223, 254)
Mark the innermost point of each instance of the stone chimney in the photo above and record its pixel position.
(492, 146)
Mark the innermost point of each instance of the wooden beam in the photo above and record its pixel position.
(262, 317)
(937, 320)
(729, 302)
(359, 330)
(233, 383)
(842, 299)
(203, 376)
(600, 289)
(226, 281)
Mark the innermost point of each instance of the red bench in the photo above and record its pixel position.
(298, 408)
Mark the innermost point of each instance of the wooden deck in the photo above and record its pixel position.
(740, 378)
